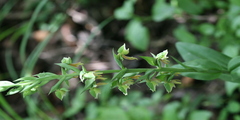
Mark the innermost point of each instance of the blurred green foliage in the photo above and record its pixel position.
(205, 22)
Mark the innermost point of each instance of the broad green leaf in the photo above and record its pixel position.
(60, 93)
(14, 90)
(137, 35)
(125, 12)
(189, 6)
(170, 111)
(140, 113)
(231, 50)
(201, 75)
(151, 61)
(230, 87)
(206, 29)
(161, 10)
(112, 113)
(214, 70)
(233, 106)
(191, 52)
(234, 66)
(235, 2)
(234, 63)
(183, 35)
(94, 92)
(230, 78)
(223, 115)
(200, 115)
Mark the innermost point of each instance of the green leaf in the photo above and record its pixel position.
(230, 87)
(206, 29)
(152, 85)
(234, 63)
(170, 111)
(126, 11)
(189, 6)
(44, 74)
(151, 61)
(183, 35)
(14, 90)
(161, 10)
(123, 89)
(201, 75)
(140, 113)
(200, 115)
(60, 93)
(231, 50)
(77, 103)
(94, 92)
(233, 106)
(234, 66)
(191, 52)
(6, 84)
(168, 87)
(230, 78)
(111, 113)
(137, 35)
(25, 79)
(57, 85)
(119, 75)
(200, 65)
(235, 2)
(64, 65)
(117, 59)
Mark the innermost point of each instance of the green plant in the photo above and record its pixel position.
(205, 65)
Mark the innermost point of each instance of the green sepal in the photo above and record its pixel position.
(95, 92)
(122, 50)
(150, 60)
(117, 60)
(123, 89)
(60, 93)
(169, 86)
(152, 85)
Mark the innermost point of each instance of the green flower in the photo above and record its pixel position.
(66, 60)
(161, 55)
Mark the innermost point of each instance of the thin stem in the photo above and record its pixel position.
(29, 30)
(146, 69)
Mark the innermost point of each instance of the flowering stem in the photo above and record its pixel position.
(157, 70)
